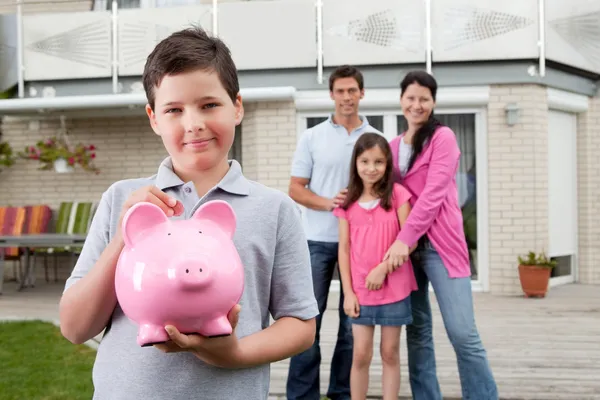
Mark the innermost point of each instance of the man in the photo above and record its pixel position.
(320, 169)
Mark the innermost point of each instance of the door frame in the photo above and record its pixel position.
(574, 270)
(568, 102)
(481, 284)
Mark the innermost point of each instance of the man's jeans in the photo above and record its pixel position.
(303, 376)
(455, 300)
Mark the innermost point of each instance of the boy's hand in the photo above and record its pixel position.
(221, 352)
(152, 194)
(376, 277)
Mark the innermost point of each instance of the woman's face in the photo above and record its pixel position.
(417, 104)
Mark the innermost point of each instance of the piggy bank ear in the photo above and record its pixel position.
(220, 213)
(139, 220)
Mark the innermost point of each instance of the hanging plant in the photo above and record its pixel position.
(55, 153)
(7, 158)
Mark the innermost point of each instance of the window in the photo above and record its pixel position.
(376, 121)
(463, 126)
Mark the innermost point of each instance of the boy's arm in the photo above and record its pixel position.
(293, 304)
(89, 298)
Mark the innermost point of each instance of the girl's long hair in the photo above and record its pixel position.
(384, 187)
(425, 132)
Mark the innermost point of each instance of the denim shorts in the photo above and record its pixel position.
(392, 314)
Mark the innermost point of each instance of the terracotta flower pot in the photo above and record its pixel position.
(534, 280)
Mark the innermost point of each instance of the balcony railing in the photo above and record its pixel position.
(302, 34)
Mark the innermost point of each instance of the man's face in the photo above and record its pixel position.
(346, 95)
(195, 118)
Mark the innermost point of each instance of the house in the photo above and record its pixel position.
(518, 85)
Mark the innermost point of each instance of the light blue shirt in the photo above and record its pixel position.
(323, 155)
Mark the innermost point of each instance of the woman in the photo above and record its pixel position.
(426, 159)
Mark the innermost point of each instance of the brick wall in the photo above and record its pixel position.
(268, 142)
(127, 147)
(518, 209)
(588, 146)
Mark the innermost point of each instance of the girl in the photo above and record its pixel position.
(369, 221)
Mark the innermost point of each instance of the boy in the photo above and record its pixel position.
(194, 106)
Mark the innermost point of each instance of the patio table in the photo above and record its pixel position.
(28, 241)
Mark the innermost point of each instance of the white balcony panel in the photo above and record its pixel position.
(67, 45)
(573, 33)
(373, 32)
(8, 51)
(484, 30)
(269, 34)
(141, 29)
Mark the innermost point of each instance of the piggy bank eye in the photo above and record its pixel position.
(199, 231)
(169, 233)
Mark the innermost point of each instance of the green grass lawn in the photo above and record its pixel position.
(37, 363)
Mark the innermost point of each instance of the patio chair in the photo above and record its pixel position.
(73, 218)
(12, 221)
(37, 220)
(62, 224)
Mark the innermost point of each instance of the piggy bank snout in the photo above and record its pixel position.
(192, 274)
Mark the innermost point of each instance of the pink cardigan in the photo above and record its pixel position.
(435, 209)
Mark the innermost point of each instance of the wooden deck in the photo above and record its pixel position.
(539, 348)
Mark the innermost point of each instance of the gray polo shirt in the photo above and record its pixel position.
(272, 245)
(323, 155)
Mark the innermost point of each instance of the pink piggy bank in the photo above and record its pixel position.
(185, 273)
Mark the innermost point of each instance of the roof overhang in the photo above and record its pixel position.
(55, 105)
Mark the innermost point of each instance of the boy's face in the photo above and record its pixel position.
(196, 119)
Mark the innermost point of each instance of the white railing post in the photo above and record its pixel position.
(20, 51)
(215, 18)
(319, 6)
(542, 36)
(115, 46)
(428, 36)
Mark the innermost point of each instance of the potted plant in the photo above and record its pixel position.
(54, 153)
(7, 159)
(534, 274)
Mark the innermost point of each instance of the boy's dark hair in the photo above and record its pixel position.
(385, 187)
(346, 71)
(185, 51)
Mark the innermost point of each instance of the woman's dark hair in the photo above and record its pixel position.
(384, 188)
(425, 132)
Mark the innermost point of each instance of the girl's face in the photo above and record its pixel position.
(417, 104)
(371, 165)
